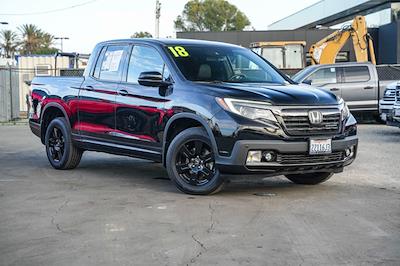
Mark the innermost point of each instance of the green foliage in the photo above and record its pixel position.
(9, 42)
(210, 15)
(142, 34)
(35, 41)
(31, 40)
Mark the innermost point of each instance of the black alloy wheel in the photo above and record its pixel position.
(56, 144)
(191, 163)
(60, 150)
(195, 163)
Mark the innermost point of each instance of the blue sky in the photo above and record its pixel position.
(104, 19)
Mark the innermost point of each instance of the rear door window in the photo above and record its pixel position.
(355, 74)
(324, 76)
(110, 64)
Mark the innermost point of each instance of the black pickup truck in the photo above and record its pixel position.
(201, 108)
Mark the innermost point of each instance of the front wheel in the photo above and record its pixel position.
(309, 179)
(191, 164)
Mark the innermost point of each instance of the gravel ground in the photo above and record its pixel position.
(115, 210)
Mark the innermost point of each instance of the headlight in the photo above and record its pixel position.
(249, 109)
(345, 112)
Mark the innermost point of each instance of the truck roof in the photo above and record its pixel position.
(339, 64)
(170, 41)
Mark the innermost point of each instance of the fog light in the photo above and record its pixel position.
(253, 157)
(349, 152)
(269, 156)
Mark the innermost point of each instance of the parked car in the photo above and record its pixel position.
(201, 108)
(358, 84)
(394, 115)
(387, 101)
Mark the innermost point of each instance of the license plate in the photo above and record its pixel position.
(383, 116)
(320, 146)
(396, 112)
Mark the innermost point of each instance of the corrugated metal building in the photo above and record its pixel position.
(30, 66)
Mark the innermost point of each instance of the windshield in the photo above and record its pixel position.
(299, 76)
(223, 64)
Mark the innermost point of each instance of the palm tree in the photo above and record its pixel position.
(9, 42)
(45, 39)
(30, 38)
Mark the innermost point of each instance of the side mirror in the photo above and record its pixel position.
(307, 81)
(152, 79)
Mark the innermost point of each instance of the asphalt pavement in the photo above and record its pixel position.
(115, 210)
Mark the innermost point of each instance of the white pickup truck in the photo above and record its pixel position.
(394, 114)
(387, 101)
(361, 85)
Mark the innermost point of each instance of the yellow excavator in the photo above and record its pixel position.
(326, 50)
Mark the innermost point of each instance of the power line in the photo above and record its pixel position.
(49, 11)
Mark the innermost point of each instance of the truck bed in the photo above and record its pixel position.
(52, 85)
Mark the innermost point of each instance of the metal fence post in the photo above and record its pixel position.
(11, 96)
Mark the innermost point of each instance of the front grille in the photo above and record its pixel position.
(296, 122)
(398, 94)
(305, 158)
(390, 95)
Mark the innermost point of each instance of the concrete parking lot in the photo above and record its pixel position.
(115, 210)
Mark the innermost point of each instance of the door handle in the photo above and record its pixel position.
(89, 88)
(123, 92)
(368, 88)
(334, 89)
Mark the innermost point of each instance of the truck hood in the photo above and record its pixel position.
(276, 94)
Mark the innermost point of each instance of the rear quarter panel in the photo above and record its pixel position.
(61, 92)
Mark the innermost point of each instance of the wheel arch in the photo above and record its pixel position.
(51, 111)
(180, 122)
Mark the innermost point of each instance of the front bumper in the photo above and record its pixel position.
(393, 117)
(236, 163)
(384, 109)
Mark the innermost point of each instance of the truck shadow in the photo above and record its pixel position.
(153, 176)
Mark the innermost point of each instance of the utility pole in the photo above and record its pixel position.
(158, 13)
(2, 23)
(61, 39)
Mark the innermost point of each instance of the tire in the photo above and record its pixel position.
(61, 152)
(190, 163)
(309, 179)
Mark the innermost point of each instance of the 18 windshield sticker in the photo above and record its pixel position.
(178, 51)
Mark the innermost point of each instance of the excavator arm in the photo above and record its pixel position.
(326, 50)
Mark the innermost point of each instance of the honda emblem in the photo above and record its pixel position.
(315, 117)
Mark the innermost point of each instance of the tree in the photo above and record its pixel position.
(46, 40)
(30, 40)
(9, 42)
(142, 34)
(36, 41)
(210, 15)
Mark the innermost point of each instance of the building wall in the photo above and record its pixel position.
(244, 38)
(318, 11)
(27, 66)
(389, 46)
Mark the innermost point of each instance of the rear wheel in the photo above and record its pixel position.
(309, 179)
(191, 165)
(61, 152)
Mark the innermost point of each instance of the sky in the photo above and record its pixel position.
(100, 20)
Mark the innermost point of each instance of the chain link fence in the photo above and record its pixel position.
(15, 88)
